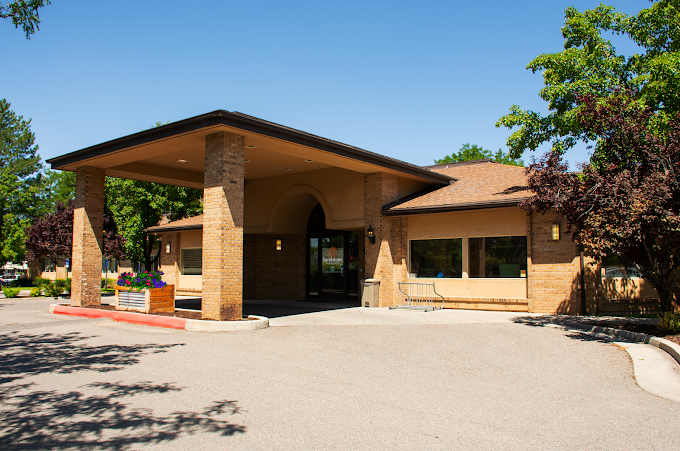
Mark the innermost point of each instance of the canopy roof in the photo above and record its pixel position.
(175, 153)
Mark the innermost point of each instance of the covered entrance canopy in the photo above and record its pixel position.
(258, 178)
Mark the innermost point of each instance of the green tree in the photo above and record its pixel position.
(136, 206)
(23, 13)
(590, 66)
(22, 182)
(474, 152)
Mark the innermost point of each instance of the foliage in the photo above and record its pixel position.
(628, 201)
(669, 322)
(52, 235)
(40, 281)
(10, 292)
(474, 152)
(108, 283)
(590, 66)
(22, 182)
(141, 281)
(53, 290)
(23, 13)
(36, 292)
(136, 206)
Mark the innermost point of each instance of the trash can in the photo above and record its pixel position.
(370, 292)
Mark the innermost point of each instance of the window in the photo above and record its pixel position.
(48, 265)
(437, 258)
(191, 261)
(614, 266)
(502, 256)
(112, 267)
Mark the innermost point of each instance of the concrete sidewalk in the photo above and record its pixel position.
(362, 316)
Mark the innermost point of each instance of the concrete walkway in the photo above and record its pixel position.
(363, 316)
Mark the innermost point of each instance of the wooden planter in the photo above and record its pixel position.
(147, 301)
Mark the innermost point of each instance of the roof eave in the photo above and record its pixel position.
(452, 207)
(226, 118)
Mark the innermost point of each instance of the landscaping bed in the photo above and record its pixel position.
(649, 329)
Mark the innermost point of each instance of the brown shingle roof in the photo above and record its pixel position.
(195, 222)
(479, 184)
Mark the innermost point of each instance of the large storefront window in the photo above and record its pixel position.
(191, 261)
(437, 258)
(500, 256)
(614, 266)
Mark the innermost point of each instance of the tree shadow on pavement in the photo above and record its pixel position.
(35, 419)
(574, 323)
(24, 354)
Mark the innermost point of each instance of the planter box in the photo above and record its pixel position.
(148, 301)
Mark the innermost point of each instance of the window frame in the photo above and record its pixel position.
(526, 275)
(412, 275)
(181, 261)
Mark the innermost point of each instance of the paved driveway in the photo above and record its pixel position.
(92, 384)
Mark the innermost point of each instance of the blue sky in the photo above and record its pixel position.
(411, 80)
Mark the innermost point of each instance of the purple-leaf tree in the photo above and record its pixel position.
(52, 236)
(626, 201)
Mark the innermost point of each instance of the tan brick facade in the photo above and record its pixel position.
(223, 227)
(272, 274)
(88, 222)
(386, 259)
(553, 268)
(169, 263)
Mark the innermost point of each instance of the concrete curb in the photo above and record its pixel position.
(254, 323)
(661, 343)
(192, 325)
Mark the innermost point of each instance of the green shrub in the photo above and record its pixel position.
(670, 323)
(60, 284)
(36, 292)
(10, 292)
(52, 290)
(67, 287)
(41, 282)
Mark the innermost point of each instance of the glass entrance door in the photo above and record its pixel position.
(328, 266)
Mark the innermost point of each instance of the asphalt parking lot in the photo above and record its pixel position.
(70, 383)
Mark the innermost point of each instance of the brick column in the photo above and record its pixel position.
(170, 261)
(88, 223)
(386, 259)
(223, 227)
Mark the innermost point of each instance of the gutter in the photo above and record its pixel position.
(452, 207)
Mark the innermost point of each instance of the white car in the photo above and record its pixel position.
(7, 279)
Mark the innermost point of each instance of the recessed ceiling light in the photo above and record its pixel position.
(246, 161)
(309, 161)
(287, 169)
(180, 160)
(250, 146)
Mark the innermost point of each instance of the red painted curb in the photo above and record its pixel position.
(123, 317)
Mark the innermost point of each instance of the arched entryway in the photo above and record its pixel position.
(332, 261)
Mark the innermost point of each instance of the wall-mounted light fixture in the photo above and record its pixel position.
(167, 248)
(370, 234)
(278, 245)
(556, 232)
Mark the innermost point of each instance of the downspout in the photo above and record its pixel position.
(583, 284)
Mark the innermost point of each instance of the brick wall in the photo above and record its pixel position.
(272, 274)
(386, 259)
(170, 261)
(554, 268)
(88, 221)
(223, 227)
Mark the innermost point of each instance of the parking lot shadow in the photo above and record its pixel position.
(36, 419)
(23, 354)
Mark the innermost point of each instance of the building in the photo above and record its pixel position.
(288, 215)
